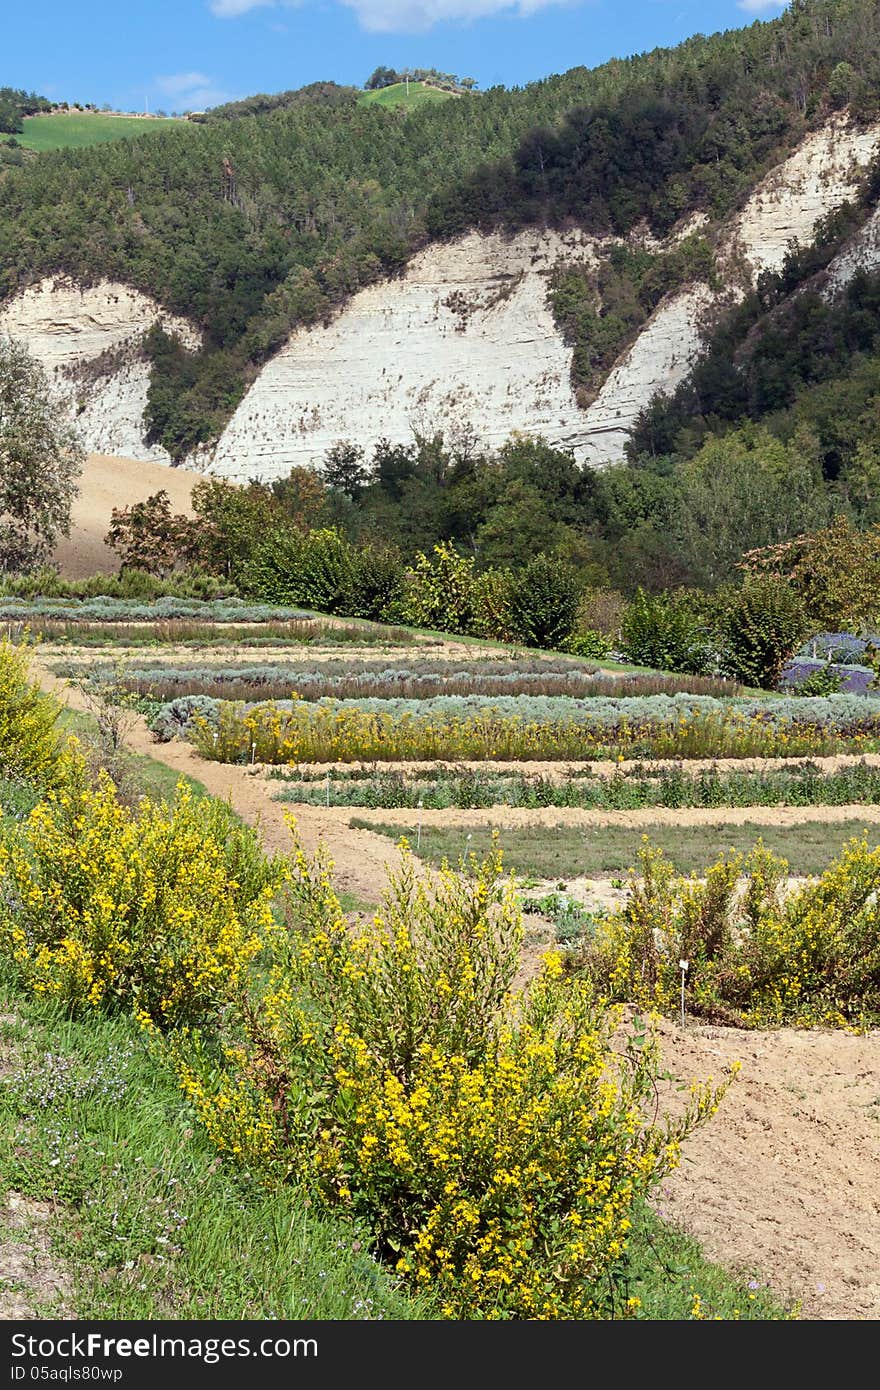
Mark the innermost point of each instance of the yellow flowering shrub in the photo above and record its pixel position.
(30, 745)
(161, 910)
(495, 1141)
(758, 955)
(309, 732)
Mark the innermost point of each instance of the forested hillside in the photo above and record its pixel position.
(252, 224)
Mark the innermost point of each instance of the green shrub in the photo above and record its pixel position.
(595, 646)
(825, 680)
(440, 591)
(659, 631)
(376, 582)
(491, 604)
(311, 568)
(762, 625)
(544, 602)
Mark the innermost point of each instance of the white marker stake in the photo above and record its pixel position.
(419, 829)
(684, 966)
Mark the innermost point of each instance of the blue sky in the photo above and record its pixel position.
(193, 53)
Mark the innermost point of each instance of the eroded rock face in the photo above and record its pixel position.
(465, 337)
(659, 360)
(787, 205)
(88, 339)
(464, 340)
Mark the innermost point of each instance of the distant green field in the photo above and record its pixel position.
(82, 128)
(396, 95)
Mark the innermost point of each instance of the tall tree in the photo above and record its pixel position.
(41, 458)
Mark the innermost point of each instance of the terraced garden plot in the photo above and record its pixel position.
(522, 728)
(605, 846)
(739, 1233)
(623, 788)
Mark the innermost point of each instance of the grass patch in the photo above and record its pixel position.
(148, 1223)
(565, 852)
(418, 94)
(82, 128)
(668, 1271)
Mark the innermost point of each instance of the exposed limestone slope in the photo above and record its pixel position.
(88, 339)
(783, 211)
(401, 357)
(659, 360)
(463, 339)
(788, 204)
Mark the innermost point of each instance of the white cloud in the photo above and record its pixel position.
(191, 91)
(759, 6)
(231, 9)
(408, 16)
(228, 9)
(415, 16)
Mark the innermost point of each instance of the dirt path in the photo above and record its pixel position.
(518, 817)
(783, 1182)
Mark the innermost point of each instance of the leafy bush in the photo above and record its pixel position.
(311, 568)
(148, 537)
(376, 582)
(492, 617)
(821, 680)
(762, 625)
(759, 958)
(836, 572)
(439, 592)
(544, 602)
(495, 1145)
(658, 631)
(590, 644)
(161, 912)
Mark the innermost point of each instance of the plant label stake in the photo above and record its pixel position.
(419, 829)
(328, 788)
(684, 967)
(253, 754)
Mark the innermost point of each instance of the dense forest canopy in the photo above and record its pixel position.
(15, 104)
(273, 212)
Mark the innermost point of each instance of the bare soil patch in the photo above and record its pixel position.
(33, 1284)
(109, 482)
(782, 1182)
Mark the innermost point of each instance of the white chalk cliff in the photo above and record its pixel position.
(88, 339)
(464, 339)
